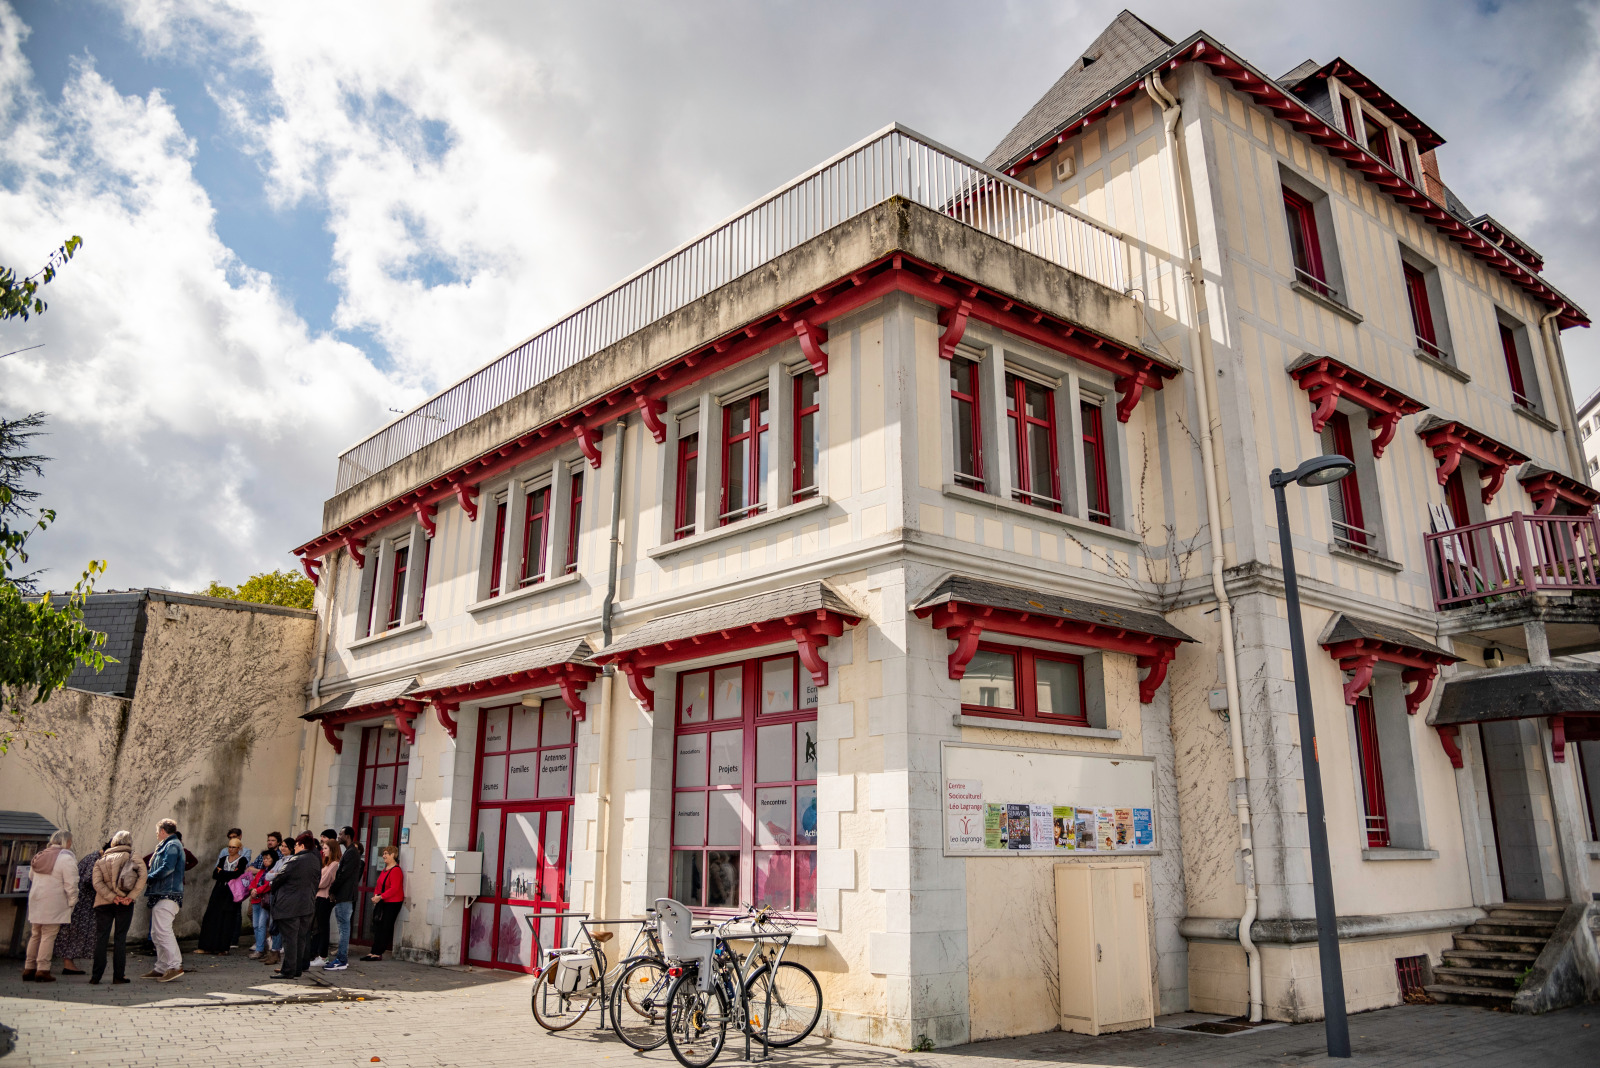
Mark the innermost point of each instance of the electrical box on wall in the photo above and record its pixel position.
(463, 871)
(1066, 167)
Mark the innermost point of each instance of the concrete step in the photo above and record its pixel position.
(1556, 907)
(1488, 958)
(1501, 978)
(1524, 912)
(1534, 928)
(1501, 943)
(1470, 995)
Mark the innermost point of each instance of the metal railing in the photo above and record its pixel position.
(1516, 554)
(894, 162)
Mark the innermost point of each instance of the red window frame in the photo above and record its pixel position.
(806, 385)
(1590, 809)
(1094, 464)
(691, 861)
(1421, 311)
(497, 564)
(683, 517)
(1354, 536)
(1349, 117)
(1024, 662)
(966, 413)
(574, 510)
(753, 468)
(1374, 806)
(371, 765)
(397, 586)
(1305, 246)
(1508, 346)
(535, 535)
(1455, 496)
(1405, 160)
(1378, 140)
(1031, 485)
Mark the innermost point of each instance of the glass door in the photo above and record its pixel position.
(380, 809)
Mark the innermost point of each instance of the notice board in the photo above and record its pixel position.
(1001, 801)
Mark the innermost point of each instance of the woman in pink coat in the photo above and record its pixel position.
(51, 897)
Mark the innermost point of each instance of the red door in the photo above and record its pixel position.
(522, 825)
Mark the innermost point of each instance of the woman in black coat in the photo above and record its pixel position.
(219, 931)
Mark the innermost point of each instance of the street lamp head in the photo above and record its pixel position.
(1317, 471)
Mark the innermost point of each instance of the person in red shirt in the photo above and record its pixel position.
(387, 898)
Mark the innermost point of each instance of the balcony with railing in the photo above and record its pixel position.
(1514, 556)
(895, 162)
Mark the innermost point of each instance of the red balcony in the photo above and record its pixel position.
(1519, 554)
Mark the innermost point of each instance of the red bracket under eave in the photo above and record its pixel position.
(1131, 388)
(1558, 739)
(589, 444)
(312, 566)
(405, 715)
(811, 341)
(570, 685)
(954, 321)
(1450, 741)
(467, 497)
(425, 516)
(357, 550)
(639, 682)
(652, 409)
(1360, 657)
(1157, 663)
(444, 712)
(330, 731)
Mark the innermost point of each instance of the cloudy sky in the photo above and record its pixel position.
(301, 216)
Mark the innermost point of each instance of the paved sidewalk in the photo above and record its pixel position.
(227, 1012)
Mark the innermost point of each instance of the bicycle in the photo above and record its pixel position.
(576, 977)
(711, 989)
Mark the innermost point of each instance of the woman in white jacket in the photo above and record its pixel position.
(50, 902)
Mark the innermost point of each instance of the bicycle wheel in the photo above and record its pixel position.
(796, 1002)
(639, 1004)
(553, 1010)
(696, 1023)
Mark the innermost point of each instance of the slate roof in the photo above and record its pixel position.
(1121, 50)
(571, 651)
(367, 695)
(799, 600)
(1348, 628)
(1518, 693)
(25, 825)
(120, 616)
(965, 590)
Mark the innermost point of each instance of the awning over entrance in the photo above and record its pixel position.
(1568, 697)
(1360, 644)
(808, 615)
(565, 664)
(968, 607)
(368, 702)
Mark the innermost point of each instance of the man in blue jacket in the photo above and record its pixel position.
(164, 893)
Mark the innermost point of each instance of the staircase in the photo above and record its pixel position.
(1489, 958)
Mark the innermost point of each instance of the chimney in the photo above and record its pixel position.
(1431, 183)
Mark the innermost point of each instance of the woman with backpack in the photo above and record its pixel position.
(118, 879)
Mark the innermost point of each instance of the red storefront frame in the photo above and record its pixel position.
(497, 931)
(380, 808)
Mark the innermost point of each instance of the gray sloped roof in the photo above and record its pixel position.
(367, 695)
(25, 825)
(571, 651)
(966, 590)
(1347, 628)
(1122, 48)
(1526, 692)
(799, 600)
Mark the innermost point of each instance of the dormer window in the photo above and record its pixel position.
(1377, 136)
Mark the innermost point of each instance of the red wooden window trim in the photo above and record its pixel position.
(1025, 679)
(807, 403)
(1349, 117)
(1378, 140)
(1305, 246)
(1508, 346)
(964, 408)
(1371, 762)
(366, 784)
(1405, 160)
(535, 535)
(1422, 312)
(1455, 496)
(745, 452)
(691, 867)
(683, 519)
(497, 564)
(574, 513)
(1094, 464)
(1039, 488)
(427, 558)
(397, 587)
(1354, 534)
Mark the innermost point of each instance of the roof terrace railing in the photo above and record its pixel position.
(894, 162)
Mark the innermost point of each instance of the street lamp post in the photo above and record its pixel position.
(1318, 471)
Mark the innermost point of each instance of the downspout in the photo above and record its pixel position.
(608, 678)
(1550, 339)
(323, 642)
(1210, 446)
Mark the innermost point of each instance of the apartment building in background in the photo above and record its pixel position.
(900, 554)
(1588, 427)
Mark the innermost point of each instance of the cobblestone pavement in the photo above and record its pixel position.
(226, 1012)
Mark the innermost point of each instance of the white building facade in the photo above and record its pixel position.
(900, 555)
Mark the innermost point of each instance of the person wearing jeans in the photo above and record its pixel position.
(164, 892)
(346, 885)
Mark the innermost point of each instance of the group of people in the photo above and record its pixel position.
(299, 890)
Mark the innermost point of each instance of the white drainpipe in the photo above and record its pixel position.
(1210, 445)
(1550, 341)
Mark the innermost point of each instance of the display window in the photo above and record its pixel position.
(521, 823)
(380, 808)
(744, 814)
